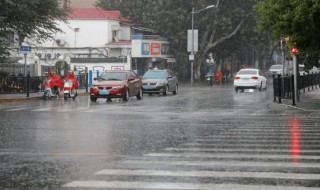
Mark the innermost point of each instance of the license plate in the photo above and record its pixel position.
(104, 92)
(148, 87)
(245, 79)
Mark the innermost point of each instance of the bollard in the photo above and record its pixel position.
(28, 84)
(280, 86)
(293, 92)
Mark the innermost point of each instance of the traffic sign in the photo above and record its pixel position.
(295, 51)
(25, 48)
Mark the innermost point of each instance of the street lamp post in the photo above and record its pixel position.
(192, 38)
(192, 46)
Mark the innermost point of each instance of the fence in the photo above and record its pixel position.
(22, 84)
(283, 87)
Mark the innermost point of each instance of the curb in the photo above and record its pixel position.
(25, 99)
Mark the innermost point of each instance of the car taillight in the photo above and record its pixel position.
(236, 77)
(254, 77)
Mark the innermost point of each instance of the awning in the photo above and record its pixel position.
(142, 29)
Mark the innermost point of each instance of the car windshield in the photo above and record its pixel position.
(276, 67)
(154, 75)
(113, 76)
(247, 72)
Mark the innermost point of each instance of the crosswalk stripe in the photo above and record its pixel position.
(185, 186)
(189, 173)
(229, 163)
(219, 155)
(237, 150)
(234, 145)
(251, 141)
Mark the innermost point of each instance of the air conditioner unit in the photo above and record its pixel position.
(60, 42)
(39, 55)
(49, 56)
(58, 55)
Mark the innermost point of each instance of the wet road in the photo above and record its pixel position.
(202, 138)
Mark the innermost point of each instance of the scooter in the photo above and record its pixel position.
(69, 90)
(47, 92)
(209, 79)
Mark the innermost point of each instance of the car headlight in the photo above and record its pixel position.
(117, 87)
(160, 84)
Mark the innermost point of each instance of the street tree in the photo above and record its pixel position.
(296, 21)
(28, 18)
(172, 19)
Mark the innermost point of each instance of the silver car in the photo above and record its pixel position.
(159, 81)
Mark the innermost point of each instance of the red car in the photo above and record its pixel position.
(116, 84)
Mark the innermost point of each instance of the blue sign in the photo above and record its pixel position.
(145, 48)
(25, 48)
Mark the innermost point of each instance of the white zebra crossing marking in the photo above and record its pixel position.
(189, 173)
(185, 186)
(227, 163)
(237, 150)
(219, 155)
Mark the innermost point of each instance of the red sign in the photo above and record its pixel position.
(155, 48)
(295, 51)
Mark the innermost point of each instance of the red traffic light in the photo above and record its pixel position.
(294, 50)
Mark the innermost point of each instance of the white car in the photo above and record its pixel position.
(276, 70)
(249, 79)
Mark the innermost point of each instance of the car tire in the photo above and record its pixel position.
(167, 91)
(140, 94)
(260, 88)
(127, 95)
(236, 89)
(176, 90)
(109, 100)
(45, 96)
(93, 99)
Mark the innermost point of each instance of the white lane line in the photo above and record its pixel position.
(185, 186)
(21, 108)
(268, 175)
(238, 150)
(17, 109)
(225, 163)
(42, 109)
(233, 155)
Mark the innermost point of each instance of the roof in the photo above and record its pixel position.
(96, 13)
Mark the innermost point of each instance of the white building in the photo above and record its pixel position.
(98, 40)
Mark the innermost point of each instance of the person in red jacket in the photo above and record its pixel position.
(219, 76)
(73, 77)
(55, 82)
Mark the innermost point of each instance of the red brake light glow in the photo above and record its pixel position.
(254, 77)
(236, 77)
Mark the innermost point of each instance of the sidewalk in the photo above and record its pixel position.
(32, 96)
(309, 101)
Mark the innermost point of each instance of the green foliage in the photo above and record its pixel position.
(172, 19)
(297, 19)
(29, 18)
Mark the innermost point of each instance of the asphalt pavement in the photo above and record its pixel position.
(308, 101)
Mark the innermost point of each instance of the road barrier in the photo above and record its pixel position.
(283, 87)
(28, 84)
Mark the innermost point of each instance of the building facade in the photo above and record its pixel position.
(98, 40)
